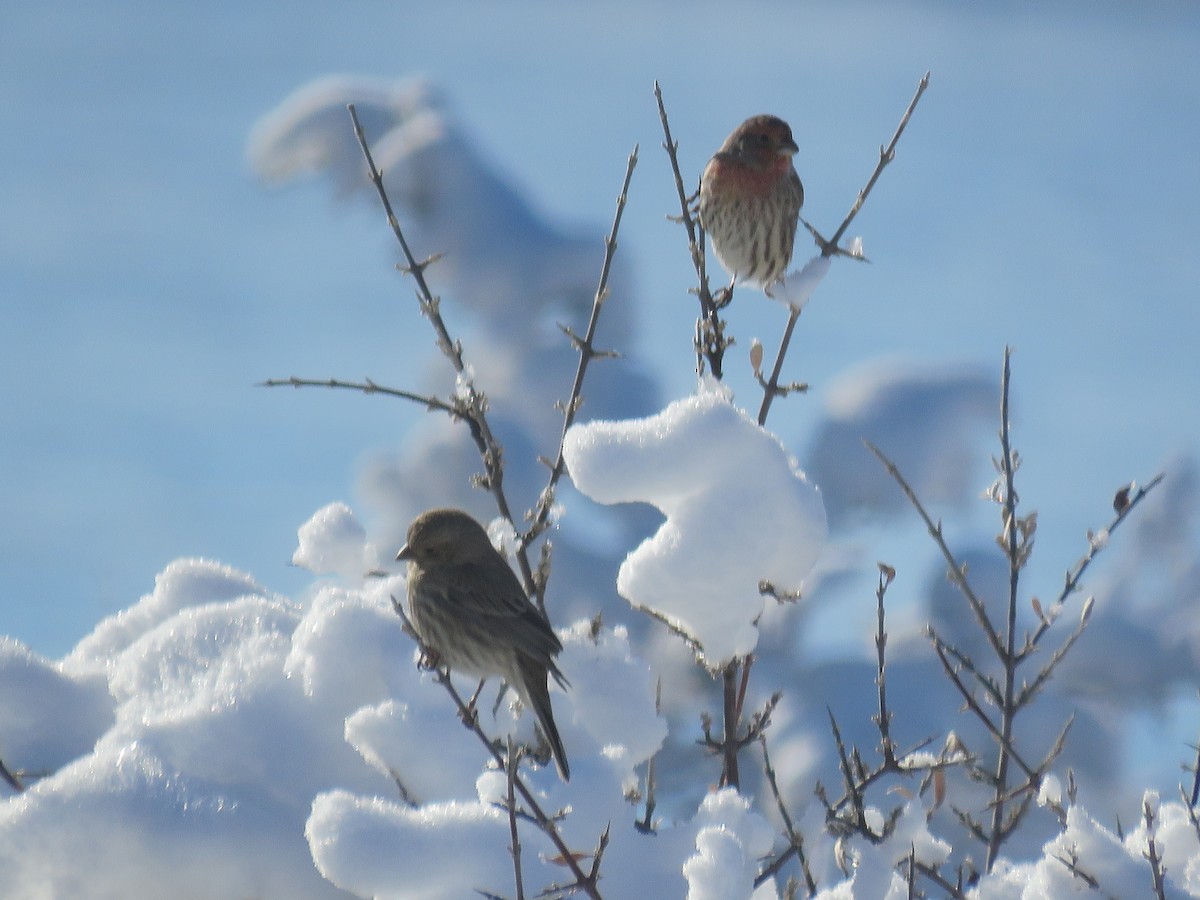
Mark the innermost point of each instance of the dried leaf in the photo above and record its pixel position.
(756, 356)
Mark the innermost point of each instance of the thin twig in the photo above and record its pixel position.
(957, 570)
(1191, 812)
(367, 386)
(977, 709)
(1157, 871)
(1195, 795)
(472, 402)
(646, 824)
(883, 720)
(1010, 536)
(795, 840)
(10, 779)
(587, 352)
(886, 155)
(1071, 863)
(710, 341)
(1075, 575)
(965, 661)
(545, 823)
(830, 247)
(510, 771)
(953, 891)
(771, 388)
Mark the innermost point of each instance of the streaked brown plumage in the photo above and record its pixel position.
(469, 608)
(750, 199)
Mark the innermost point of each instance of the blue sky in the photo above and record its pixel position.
(1046, 196)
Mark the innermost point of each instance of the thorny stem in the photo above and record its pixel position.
(955, 568)
(795, 845)
(511, 772)
(646, 824)
(884, 720)
(1157, 870)
(474, 403)
(1195, 795)
(1075, 575)
(886, 155)
(1008, 706)
(952, 890)
(710, 329)
(1009, 803)
(772, 386)
(367, 386)
(830, 247)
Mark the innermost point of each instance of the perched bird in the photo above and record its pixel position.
(469, 609)
(750, 199)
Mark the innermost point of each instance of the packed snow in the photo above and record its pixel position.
(738, 513)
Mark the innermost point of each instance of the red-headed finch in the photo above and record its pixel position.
(750, 199)
(468, 607)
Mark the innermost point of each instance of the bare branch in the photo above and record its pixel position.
(545, 823)
(886, 155)
(471, 401)
(587, 351)
(1158, 871)
(883, 720)
(711, 342)
(830, 248)
(795, 840)
(1075, 575)
(957, 570)
(511, 805)
(367, 386)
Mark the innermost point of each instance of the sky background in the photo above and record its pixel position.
(1045, 196)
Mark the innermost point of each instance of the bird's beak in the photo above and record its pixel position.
(405, 553)
(788, 148)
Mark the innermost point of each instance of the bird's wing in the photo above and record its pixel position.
(503, 607)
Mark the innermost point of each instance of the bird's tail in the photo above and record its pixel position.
(536, 695)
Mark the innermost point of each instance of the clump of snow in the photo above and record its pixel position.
(730, 840)
(30, 686)
(738, 512)
(378, 848)
(333, 542)
(184, 583)
(798, 285)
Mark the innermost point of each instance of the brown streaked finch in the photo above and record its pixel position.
(750, 199)
(469, 609)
